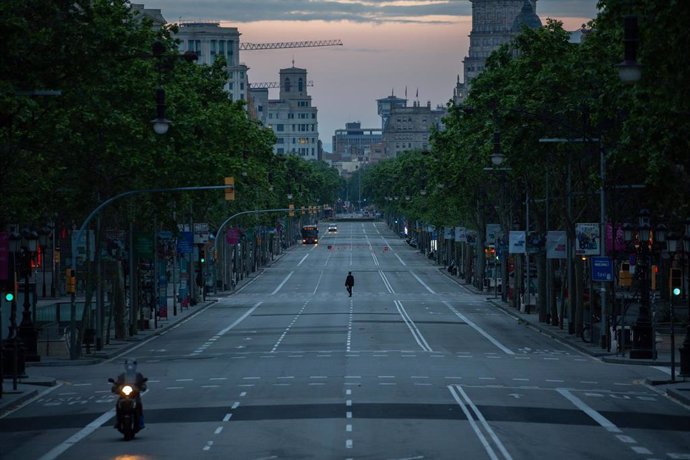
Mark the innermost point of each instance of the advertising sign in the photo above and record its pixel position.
(493, 233)
(80, 246)
(232, 236)
(461, 234)
(602, 269)
(185, 243)
(555, 245)
(587, 239)
(516, 242)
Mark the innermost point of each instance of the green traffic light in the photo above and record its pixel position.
(676, 291)
(9, 296)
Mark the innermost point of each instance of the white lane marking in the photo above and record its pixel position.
(626, 439)
(208, 445)
(348, 428)
(81, 434)
(227, 417)
(235, 405)
(318, 282)
(641, 450)
(464, 402)
(285, 280)
(491, 339)
(401, 261)
(423, 283)
(240, 319)
(386, 282)
(303, 259)
(348, 444)
(594, 415)
(419, 338)
(218, 430)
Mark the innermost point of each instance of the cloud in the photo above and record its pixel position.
(373, 11)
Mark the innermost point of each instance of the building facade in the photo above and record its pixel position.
(494, 23)
(409, 128)
(209, 40)
(355, 141)
(292, 117)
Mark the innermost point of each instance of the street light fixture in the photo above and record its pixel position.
(629, 71)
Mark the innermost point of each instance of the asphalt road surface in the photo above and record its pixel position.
(412, 366)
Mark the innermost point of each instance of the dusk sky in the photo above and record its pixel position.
(388, 46)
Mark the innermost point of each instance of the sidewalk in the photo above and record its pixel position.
(35, 382)
(678, 390)
(37, 379)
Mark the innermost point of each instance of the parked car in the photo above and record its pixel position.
(332, 228)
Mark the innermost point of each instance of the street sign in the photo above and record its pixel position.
(602, 269)
(185, 243)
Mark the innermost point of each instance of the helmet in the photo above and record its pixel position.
(130, 365)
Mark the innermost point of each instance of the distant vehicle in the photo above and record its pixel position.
(310, 234)
(332, 228)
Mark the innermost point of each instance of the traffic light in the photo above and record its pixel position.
(676, 282)
(229, 189)
(291, 210)
(202, 256)
(71, 278)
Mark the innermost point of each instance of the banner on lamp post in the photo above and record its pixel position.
(555, 245)
(516, 242)
(461, 234)
(587, 239)
(493, 233)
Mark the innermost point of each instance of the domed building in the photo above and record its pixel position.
(494, 22)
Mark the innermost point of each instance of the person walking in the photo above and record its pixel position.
(349, 282)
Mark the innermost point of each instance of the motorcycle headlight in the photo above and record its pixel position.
(127, 390)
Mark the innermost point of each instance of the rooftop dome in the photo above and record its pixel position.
(526, 17)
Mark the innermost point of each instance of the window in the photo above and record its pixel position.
(280, 127)
(241, 85)
(213, 47)
(279, 140)
(287, 85)
(259, 108)
(300, 85)
(291, 115)
(281, 150)
(221, 47)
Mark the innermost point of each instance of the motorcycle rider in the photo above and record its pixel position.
(132, 377)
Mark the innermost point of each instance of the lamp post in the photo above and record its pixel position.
(643, 332)
(43, 236)
(685, 348)
(27, 331)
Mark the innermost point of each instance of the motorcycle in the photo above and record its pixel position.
(128, 422)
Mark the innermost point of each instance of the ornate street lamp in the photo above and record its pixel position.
(643, 332)
(27, 331)
(43, 238)
(15, 247)
(685, 348)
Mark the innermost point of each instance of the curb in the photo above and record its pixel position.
(9, 405)
(682, 396)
